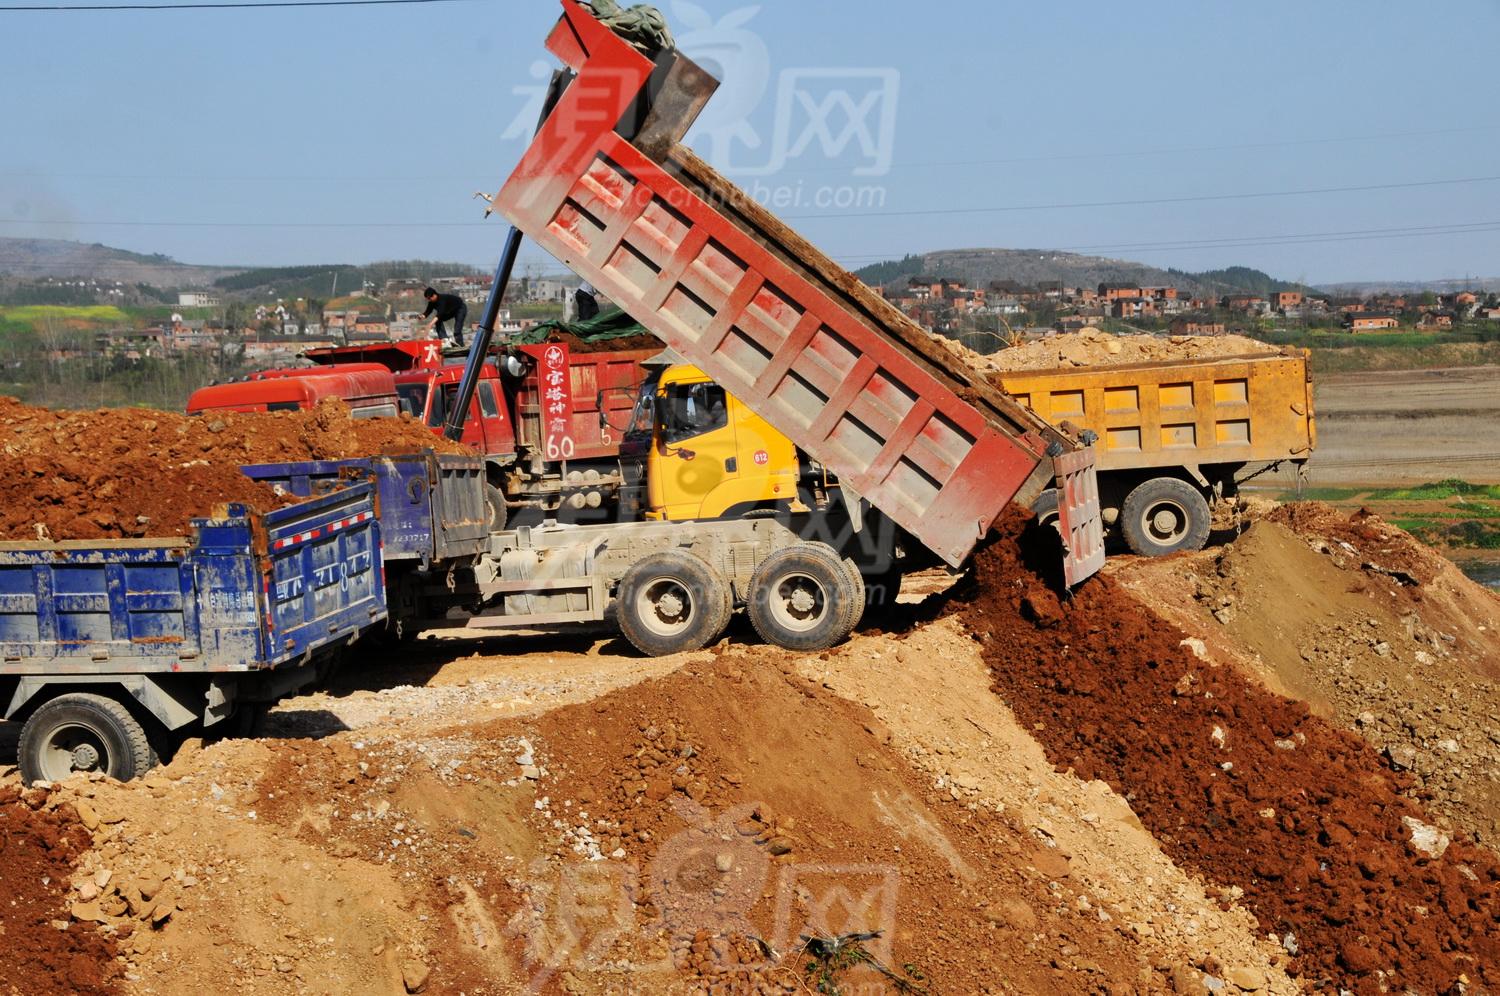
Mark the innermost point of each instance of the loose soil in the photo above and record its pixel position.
(1246, 786)
(120, 473)
(1093, 347)
(1373, 630)
(42, 951)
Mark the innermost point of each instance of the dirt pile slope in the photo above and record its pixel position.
(42, 951)
(1243, 785)
(757, 809)
(133, 472)
(677, 835)
(1380, 635)
(931, 690)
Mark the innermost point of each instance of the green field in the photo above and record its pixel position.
(40, 314)
(1452, 513)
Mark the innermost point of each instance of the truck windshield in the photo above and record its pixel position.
(414, 396)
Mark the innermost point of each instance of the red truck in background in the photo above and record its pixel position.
(368, 389)
(537, 458)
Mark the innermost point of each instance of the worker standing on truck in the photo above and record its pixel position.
(588, 303)
(447, 307)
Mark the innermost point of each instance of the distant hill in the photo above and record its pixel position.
(1368, 287)
(41, 258)
(978, 267)
(289, 282)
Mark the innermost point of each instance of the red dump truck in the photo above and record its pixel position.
(606, 188)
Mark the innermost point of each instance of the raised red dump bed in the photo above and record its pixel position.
(606, 188)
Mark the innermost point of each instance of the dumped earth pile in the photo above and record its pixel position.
(1093, 347)
(39, 844)
(1245, 786)
(133, 472)
(1375, 632)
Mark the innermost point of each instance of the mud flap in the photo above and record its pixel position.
(1078, 517)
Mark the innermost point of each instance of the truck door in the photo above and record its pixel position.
(696, 450)
(497, 433)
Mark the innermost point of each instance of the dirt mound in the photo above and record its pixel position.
(42, 951)
(130, 472)
(1246, 786)
(1414, 669)
(754, 809)
(1095, 348)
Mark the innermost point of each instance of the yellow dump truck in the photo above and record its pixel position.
(1173, 435)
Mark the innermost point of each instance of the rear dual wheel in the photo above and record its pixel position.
(1165, 515)
(805, 597)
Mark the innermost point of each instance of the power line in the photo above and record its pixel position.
(220, 6)
(824, 217)
(1142, 153)
(412, 178)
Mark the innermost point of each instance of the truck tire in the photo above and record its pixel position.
(800, 598)
(1045, 507)
(856, 592)
(495, 498)
(1165, 515)
(672, 603)
(82, 731)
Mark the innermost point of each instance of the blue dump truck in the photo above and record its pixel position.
(111, 652)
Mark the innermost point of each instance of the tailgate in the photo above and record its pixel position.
(323, 575)
(1078, 517)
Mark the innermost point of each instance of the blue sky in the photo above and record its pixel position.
(331, 135)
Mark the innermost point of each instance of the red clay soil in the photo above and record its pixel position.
(1245, 786)
(133, 472)
(728, 784)
(37, 851)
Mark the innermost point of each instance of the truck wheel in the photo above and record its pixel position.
(83, 732)
(800, 598)
(672, 603)
(1045, 507)
(1165, 515)
(856, 592)
(495, 498)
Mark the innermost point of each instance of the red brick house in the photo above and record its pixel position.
(1371, 321)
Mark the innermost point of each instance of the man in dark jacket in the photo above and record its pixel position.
(447, 307)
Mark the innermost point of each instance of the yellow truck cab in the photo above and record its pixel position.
(710, 456)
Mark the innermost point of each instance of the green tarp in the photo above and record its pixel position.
(611, 323)
(644, 27)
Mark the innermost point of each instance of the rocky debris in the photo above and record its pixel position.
(44, 946)
(1382, 656)
(100, 474)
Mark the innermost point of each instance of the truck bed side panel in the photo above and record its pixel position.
(606, 377)
(248, 592)
(1227, 411)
